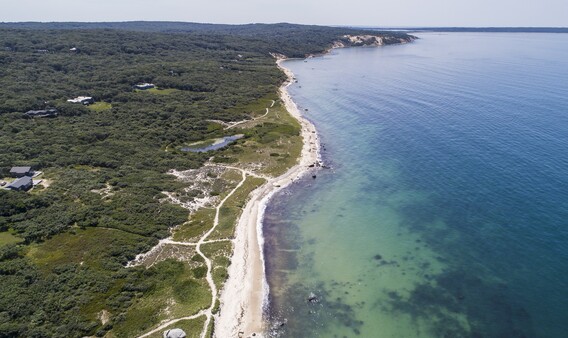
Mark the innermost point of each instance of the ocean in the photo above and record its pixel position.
(444, 210)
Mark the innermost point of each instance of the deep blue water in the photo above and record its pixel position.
(446, 211)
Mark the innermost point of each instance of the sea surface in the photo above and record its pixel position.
(445, 210)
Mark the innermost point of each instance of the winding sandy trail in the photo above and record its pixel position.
(209, 277)
(254, 119)
(203, 240)
(245, 293)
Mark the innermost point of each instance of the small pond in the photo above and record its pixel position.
(204, 146)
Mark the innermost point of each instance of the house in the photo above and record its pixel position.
(21, 171)
(84, 100)
(42, 113)
(21, 184)
(174, 333)
(144, 86)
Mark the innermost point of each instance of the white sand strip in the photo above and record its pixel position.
(245, 292)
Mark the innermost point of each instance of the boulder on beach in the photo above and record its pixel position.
(174, 333)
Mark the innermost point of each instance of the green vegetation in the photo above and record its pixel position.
(174, 293)
(199, 224)
(100, 106)
(7, 237)
(191, 327)
(219, 253)
(273, 140)
(231, 210)
(159, 91)
(63, 249)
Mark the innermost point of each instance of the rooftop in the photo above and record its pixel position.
(145, 85)
(80, 99)
(21, 182)
(20, 170)
(41, 113)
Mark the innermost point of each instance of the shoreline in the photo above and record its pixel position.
(245, 294)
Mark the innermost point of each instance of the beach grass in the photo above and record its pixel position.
(210, 328)
(192, 328)
(232, 208)
(171, 289)
(100, 106)
(87, 247)
(256, 108)
(176, 295)
(7, 237)
(159, 91)
(272, 143)
(219, 253)
(199, 223)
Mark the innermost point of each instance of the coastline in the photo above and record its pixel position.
(245, 293)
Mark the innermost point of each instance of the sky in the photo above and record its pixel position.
(381, 13)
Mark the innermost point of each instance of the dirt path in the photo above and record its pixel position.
(208, 313)
(254, 119)
(173, 321)
(203, 240)
(251, 262)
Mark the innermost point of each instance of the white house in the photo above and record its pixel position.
(86, 100)
(144, 86)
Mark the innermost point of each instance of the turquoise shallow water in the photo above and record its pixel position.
(445, 213)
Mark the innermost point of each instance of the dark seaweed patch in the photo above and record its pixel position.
(312, 311)
(490, 311)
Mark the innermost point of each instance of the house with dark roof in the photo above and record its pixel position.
(21, 184)
(21, 171)
(42, 113)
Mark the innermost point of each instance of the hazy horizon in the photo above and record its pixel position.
(410, 13)
(282, 22)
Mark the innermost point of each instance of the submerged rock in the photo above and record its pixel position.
(312, 298)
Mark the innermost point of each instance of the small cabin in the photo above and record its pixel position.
(84, 100)
(41, 113)
(21, 184)
(144, 86)
(21, 171)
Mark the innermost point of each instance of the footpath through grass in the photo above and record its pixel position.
(271, 146)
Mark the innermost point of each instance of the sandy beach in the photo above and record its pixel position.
(246, 290)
